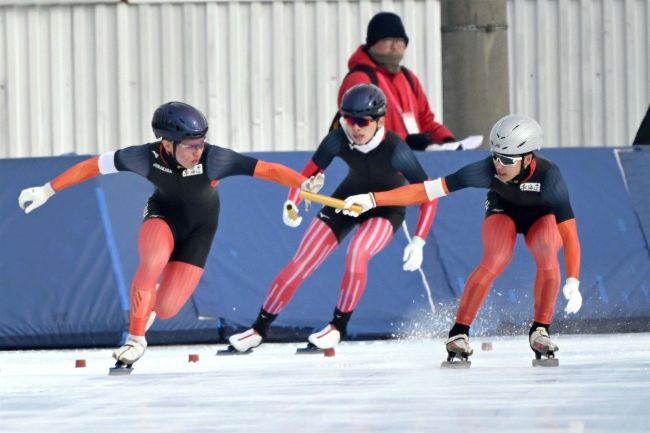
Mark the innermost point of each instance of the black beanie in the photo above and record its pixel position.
(385, 25)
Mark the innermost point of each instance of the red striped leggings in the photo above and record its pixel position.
(319, 242)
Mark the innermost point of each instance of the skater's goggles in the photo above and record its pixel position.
(361, 122)
(505, 159)
(192, 147)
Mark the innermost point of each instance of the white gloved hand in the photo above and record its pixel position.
(471, 142)
(313, 184)
(36, 196)
(413, 254)
(468, 143)
(572, 294)
(290, 215)
(366, 201)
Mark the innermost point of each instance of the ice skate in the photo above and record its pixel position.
(310, 349)
(326, 338)
(242, 343)
(458, 350)
(132, 350)
(544, 348)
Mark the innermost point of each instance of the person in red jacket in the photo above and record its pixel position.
(378, 62)
(181, 216)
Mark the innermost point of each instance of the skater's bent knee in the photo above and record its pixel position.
(166, 312)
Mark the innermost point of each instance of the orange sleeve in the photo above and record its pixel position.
(278, 173)
(310, 169)
(402, 196)
(569, 233)
(78, 173)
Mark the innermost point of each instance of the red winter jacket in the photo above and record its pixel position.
(399, 94)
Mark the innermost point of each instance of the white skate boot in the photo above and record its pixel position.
(242, 343)
(544, 348)
(326, 338)
(458, 350)
(131, 351)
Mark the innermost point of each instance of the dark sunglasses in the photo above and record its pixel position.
(361, 122)
(506, 160)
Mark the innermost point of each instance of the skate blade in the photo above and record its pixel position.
(231, 351)
(550, 362)
(310, 350)
(120, 369)
(456, 364)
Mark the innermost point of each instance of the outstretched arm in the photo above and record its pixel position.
(278, 173)
(412, 194)
(283, 175)
(402, 196)
(477, 175)
(34, 197)
(78, 173)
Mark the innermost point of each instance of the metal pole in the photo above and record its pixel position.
(475, 65)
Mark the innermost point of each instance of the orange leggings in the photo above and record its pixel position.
(499, 236)
(178, 280)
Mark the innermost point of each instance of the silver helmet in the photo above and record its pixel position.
(516, 134)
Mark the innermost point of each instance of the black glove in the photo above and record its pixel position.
(419, 141)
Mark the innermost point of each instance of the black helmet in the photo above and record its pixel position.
(177, 121)
(363, 100)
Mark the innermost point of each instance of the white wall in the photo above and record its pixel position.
(85, 77)
(582, 67)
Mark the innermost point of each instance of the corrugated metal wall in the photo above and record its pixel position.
(85, 77)
(582, 67)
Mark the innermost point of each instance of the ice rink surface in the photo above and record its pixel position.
(601, 385)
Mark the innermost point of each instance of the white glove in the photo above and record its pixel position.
(366, 201)
(468, 143)
(290, 215)
(37, 196)
(313, 184)
(413, 254)
(471, 142)
(572, 294)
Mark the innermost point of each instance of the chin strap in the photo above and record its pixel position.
(375, 141)
(523, 172)
(174, 162)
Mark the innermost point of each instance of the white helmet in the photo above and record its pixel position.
(515, 135)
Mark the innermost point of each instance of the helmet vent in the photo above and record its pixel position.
(522, 143)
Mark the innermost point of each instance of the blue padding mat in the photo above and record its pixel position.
(67, 266)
